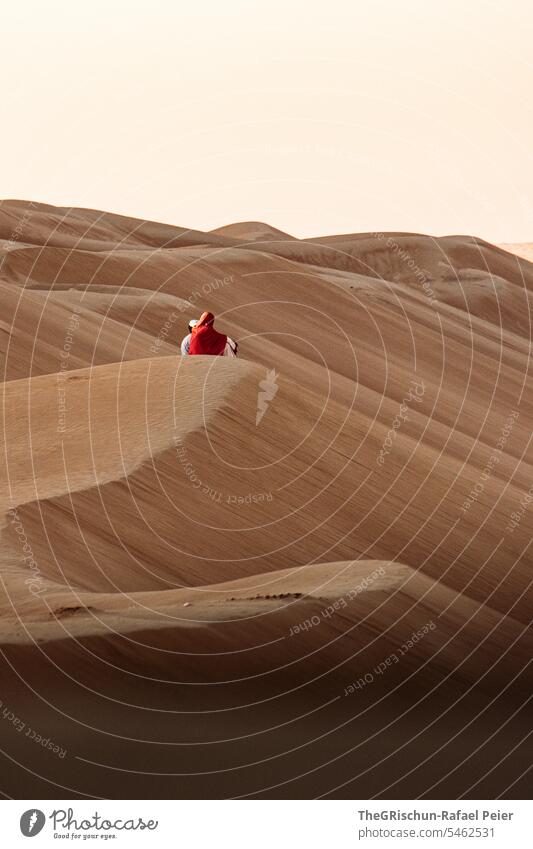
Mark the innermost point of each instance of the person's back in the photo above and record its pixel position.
(205, 340)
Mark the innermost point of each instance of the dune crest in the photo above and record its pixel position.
(85, 444)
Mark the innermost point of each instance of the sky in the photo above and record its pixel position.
(317, 117)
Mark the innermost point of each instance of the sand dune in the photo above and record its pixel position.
(349, 615)
(253, 231)
(88, 229)
(349, 498)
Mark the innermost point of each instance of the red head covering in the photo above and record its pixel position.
(205, 339)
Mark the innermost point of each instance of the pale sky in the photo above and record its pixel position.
(318, 117)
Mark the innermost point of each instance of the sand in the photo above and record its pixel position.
(310, 565)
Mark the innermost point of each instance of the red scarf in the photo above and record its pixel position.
(205, 339)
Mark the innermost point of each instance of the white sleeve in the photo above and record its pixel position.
(185, 345)
(231, 349)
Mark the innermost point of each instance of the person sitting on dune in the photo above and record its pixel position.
(206, 340)
(186, 341)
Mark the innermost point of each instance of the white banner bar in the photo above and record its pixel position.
(268, 824)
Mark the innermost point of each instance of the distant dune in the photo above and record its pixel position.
(301, 573)
(252, 231)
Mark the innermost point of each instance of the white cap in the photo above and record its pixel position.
(193, 322)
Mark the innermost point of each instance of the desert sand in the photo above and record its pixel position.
(301, 573)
